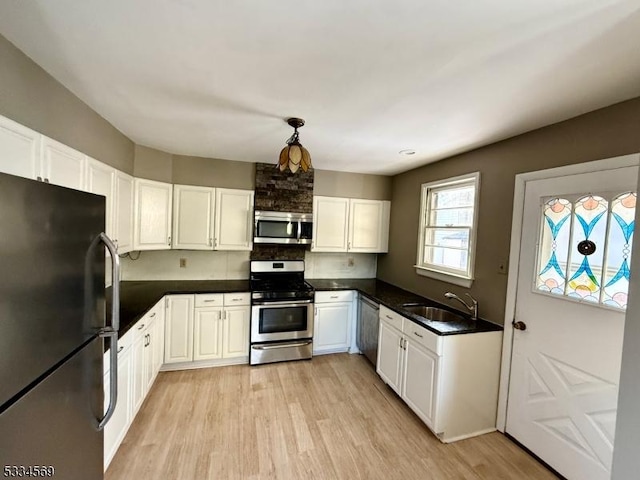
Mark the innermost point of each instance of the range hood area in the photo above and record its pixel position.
(277, 191)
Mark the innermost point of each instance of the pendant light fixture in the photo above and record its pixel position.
(294, 155)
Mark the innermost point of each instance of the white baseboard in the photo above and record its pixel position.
(222, 362)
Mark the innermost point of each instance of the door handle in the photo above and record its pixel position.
(519, 325)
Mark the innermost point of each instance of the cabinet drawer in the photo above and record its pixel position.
(424, 337)
(334, 296)
(231, 299)
(391, 317)
(210, 300)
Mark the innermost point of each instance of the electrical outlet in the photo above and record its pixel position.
(351, 262)
(183, 263)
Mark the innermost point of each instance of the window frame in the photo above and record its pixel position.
(435, 271)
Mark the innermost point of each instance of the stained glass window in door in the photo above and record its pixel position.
(556, 232)
(620, 238)
(587, 248)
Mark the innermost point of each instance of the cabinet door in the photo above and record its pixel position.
(207, 334)
(234, 219)
(193, 209)
(123, 212)
(115, 430)
(178, 335)
(152, 215)
(330, 218)
(235, 335)
(62, 165)
(331, 328)
(137, 373)
(101, 181)
(419, 382)
(390, 355)
(19, 150)
(158, 349)
(368, 226)
(148, 362)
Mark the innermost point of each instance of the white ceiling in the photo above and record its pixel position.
(216, 78)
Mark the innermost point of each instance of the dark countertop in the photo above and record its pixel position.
(393, 297)
(137, 298)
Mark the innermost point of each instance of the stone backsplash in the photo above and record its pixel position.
(278, 191)
(278, 252)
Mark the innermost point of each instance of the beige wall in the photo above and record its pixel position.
(354, 185)
(211, 172)
(153, 164)
(32, 97)
(604, 133)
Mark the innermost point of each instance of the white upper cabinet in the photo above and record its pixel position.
(62, 165)
(19, 149)
(193, 210)
(368, 226)
(330, 224)
(101, 181)
(350, 225)
(123, 212)
(152, 215)
(234, 219)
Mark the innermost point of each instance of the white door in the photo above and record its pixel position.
(330, 224)
(390, 356)
(178, 336)
(123, 212)
(566, 363)
(235, 334)
(193, 209)
(368, 226)
(19, 150)
(62, 165)
(419, 382)
(234, 219)
(100, 180)
(152, 215)
(207, 334)
(331, 327)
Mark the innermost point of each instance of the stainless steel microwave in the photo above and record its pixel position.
(283, 228)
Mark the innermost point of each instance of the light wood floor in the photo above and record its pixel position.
(329, 418)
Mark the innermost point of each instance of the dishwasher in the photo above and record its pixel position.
(367, 328)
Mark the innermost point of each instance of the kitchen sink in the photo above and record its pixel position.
(433, 313)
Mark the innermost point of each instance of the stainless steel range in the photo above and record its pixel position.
(281, 312)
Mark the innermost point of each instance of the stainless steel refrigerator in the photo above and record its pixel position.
(53, 331)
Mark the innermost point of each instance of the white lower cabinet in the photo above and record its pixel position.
(137, 369)
(117, 427)
(450, 382)
(332, 322)
(206, 329)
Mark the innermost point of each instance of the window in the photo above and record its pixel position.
(448, 216)
(585, 248)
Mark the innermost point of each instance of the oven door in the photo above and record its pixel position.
(287, 320)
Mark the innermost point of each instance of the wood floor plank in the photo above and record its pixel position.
(328, 418)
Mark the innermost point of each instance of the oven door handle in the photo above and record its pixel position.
(287, 302)
(281, 345)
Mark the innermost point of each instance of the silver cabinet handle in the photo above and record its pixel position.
(46, 180)
(418, 335)
(152, 315)
(209, 301)
(389, 317)
(210, 241)
(120, 349)
(169, 240)
(141, 327)
(333, 296)
(112, 331)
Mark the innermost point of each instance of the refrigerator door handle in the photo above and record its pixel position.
(112, 331)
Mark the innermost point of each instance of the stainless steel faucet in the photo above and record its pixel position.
(472, 308)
